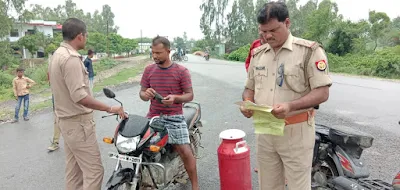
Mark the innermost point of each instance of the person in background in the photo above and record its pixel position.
(256, 43)
(56, 136)
(89, 67)
(21, 86)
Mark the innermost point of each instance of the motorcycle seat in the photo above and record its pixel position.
(350, 137)
(191, 115)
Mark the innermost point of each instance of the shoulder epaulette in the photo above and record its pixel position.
(307, 43)
(260, 49)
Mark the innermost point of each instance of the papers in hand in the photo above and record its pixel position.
(264, 121)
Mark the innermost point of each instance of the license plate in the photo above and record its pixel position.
(131, 159)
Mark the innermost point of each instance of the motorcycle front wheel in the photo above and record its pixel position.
(185, 58)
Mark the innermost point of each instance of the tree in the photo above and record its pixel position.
(180, 42)
(321, 21)
(116, 42)
(379, 25)
(95, 23)
(30, 42)
(185, 38)
(213, 17)
(128, 45)
(97, 42)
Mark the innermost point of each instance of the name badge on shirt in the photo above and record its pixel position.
(259, 68)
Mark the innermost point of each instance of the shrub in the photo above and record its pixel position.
(240, 54)
(196, 49)
(383, 63)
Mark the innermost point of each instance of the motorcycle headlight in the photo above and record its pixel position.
(125, 145)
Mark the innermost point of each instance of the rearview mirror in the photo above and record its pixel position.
(108, 93)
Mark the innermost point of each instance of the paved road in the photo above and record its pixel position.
(365, 104)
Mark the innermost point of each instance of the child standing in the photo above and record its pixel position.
(21, 86)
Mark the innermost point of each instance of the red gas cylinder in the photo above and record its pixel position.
(234, 161)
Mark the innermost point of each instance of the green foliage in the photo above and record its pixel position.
(104, 64)
(30, 42)
(6, 54)
(196, 49)
(240, 54)
(383, 63)
(38, 73)
(96, 22)
(6, 79)
(128, 45)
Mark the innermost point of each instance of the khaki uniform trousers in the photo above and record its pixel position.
(56, 135)
(84, 169)
(287, 156)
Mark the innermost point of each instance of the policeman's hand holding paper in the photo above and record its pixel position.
(264, 121)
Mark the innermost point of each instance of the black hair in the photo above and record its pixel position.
(72, 27)
(273, 10)
(90, 52)
(20, 70)
(161, 40)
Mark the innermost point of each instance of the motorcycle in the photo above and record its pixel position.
(176, 57)
(206, 56)
(142, 142)
(337, 162)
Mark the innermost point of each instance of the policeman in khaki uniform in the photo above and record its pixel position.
(74, 107)
(290, 74)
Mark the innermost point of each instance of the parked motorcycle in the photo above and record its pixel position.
(143, 143)
(337, 162)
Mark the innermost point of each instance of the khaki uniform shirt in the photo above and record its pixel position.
(69, 82)
(267, 68)
(20, 84)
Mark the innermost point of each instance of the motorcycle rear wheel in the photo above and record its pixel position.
(327, 168)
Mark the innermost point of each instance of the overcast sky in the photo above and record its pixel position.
(172, 17)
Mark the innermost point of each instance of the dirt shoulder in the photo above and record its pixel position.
(42, 100)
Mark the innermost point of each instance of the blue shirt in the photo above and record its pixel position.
(89, 67)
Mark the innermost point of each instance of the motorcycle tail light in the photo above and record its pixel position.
(154, 148)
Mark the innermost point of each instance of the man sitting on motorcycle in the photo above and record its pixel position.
(173, 82)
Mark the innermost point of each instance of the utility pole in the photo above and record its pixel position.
(141, 41)
(108, 50)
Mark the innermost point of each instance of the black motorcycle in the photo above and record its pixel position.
(142, 143)
(337, 162)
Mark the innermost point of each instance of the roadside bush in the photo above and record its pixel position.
(6, 91)
(196, 49)
(384, 63)
(239, 54)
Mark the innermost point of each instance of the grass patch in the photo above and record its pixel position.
(120, 77)
(41, 105)
(39, 75)
(32, 108)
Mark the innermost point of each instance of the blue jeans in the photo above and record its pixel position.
(91, 82)
(26, 106)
